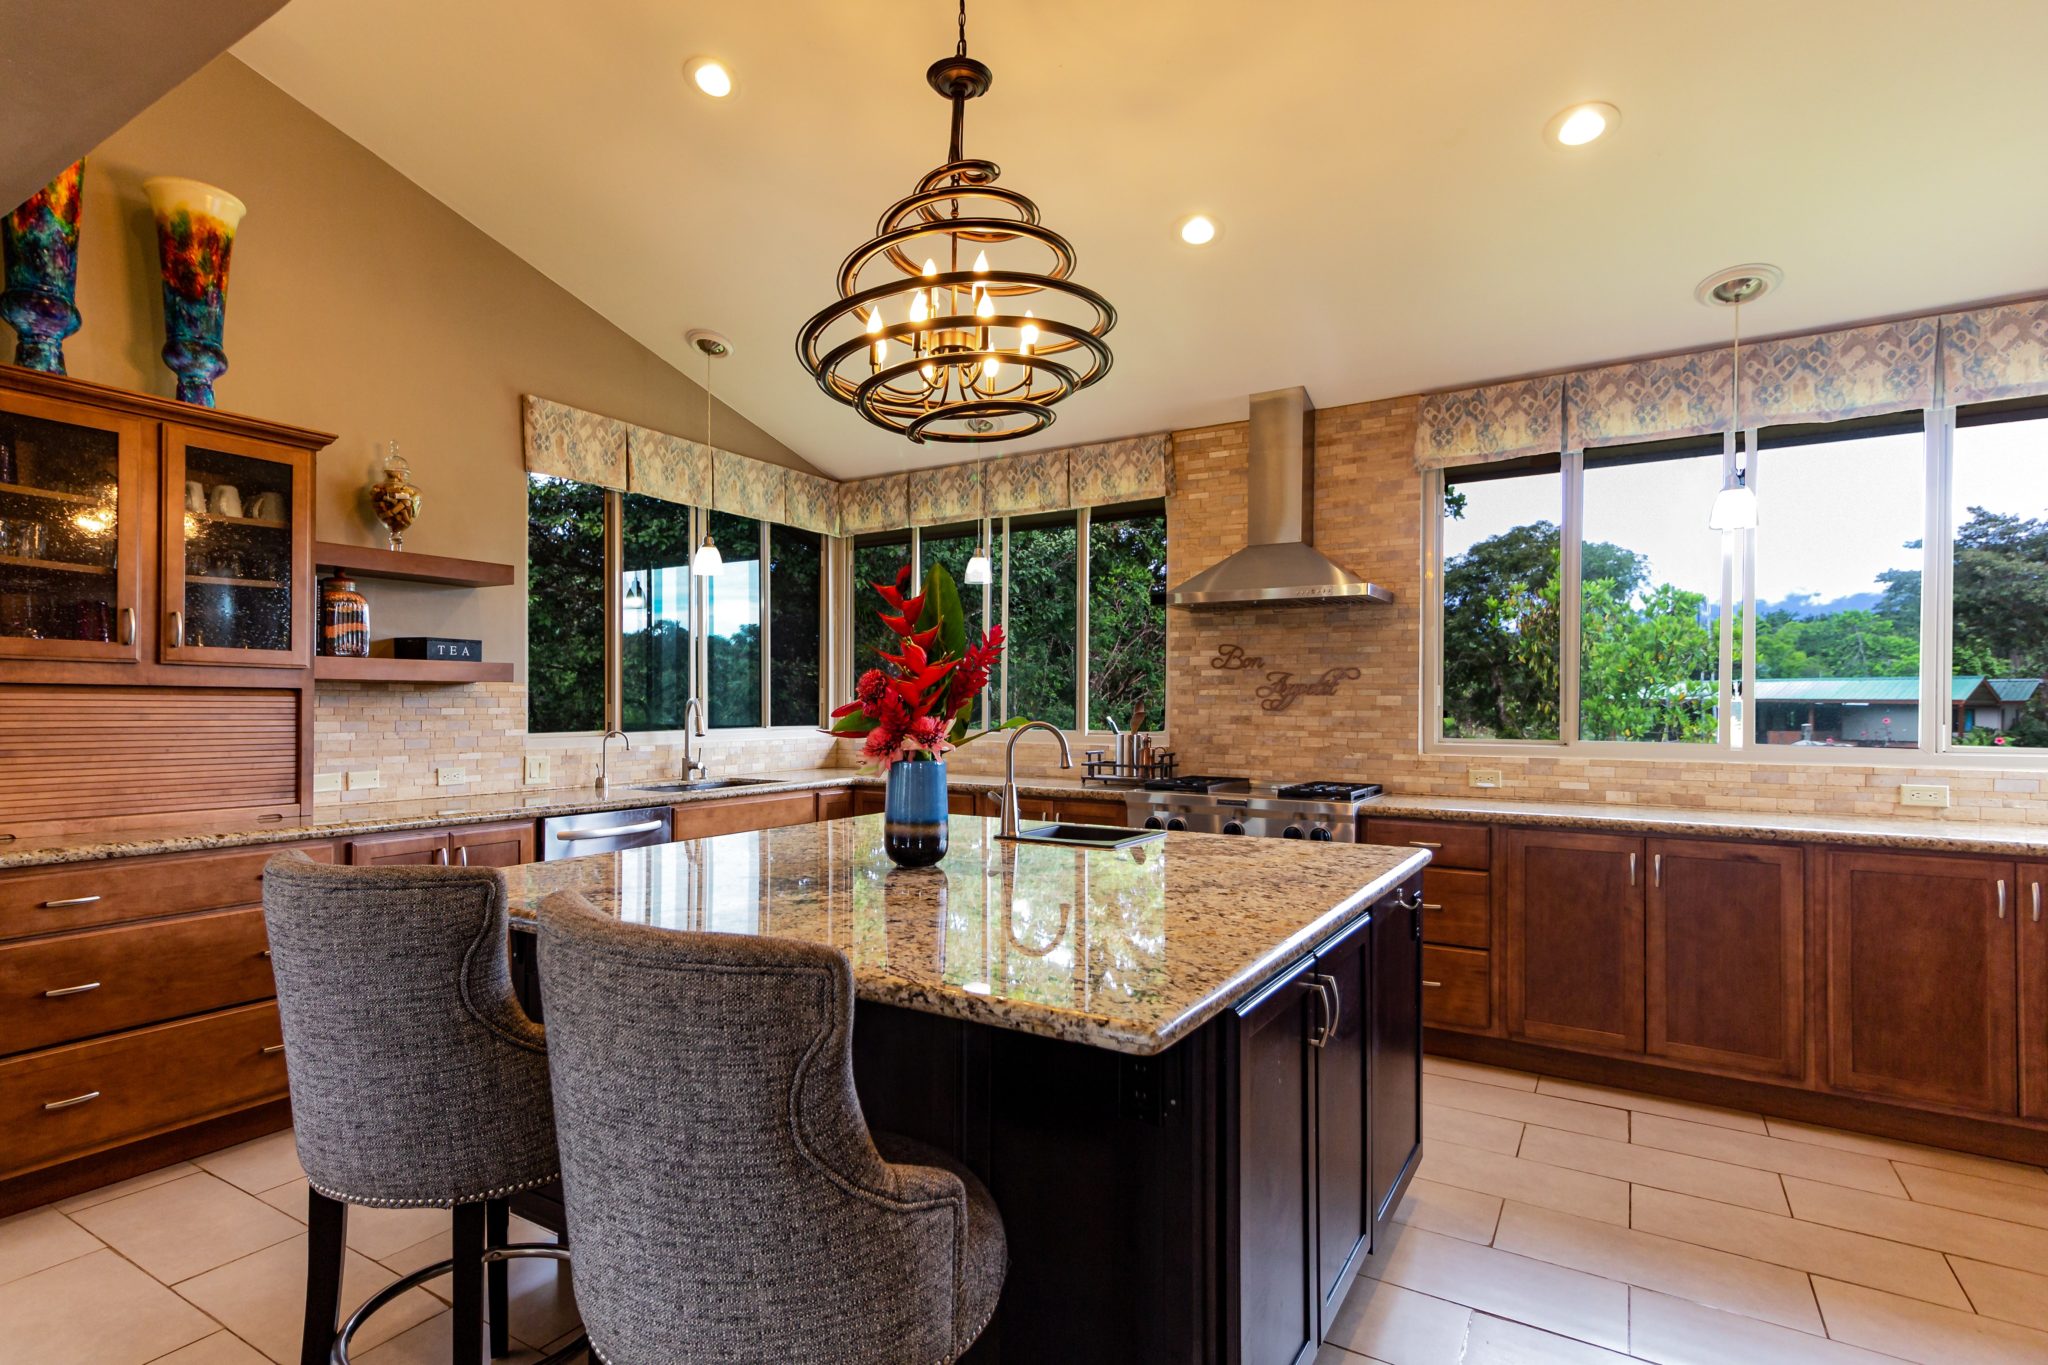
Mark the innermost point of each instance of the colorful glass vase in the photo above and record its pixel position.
(914, 812)
(39, 245)
(195, 235)
(394, 498)
(344, 619)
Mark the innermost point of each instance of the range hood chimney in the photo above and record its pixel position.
(1278, 565)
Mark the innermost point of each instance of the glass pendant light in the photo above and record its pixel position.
(707, 561)
(979, 570)
(1734, 506)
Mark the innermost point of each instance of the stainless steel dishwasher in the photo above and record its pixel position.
(602, 831)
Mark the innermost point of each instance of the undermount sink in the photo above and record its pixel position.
(1090, 836)
(704, 784)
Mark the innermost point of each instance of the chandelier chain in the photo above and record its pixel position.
(961, 50)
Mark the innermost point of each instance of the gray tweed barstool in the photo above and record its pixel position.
(416, 1079)
(725, 1199)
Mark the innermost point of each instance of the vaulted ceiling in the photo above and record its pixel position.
(1392, 218)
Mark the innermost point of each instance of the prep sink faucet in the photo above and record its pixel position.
(604, 759)
(1008, 830)
(694, 709)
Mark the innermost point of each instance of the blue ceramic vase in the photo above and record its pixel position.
(39, 246)
(914, 813)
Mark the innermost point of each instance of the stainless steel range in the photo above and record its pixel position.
(1325, 812)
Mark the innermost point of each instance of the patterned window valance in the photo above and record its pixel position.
(1648, 400)
(878, 504)
(948, 494)
(810, 503)
(1834, 376)
(664, 466)
(746, 487)
(1129, 470)
(1019, 485)
(569, 443)
(1497, 422)
(1994, 353)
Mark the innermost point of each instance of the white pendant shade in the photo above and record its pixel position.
(707, 560)
(1734, 508)
(978, 570)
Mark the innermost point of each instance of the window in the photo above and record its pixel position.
(1043, 597)
(1998, 580)
(1502, 594)
(732, 617)
(1650, 595)
(565, 634)
(876, 559)
(669, 634)
(796, 623)
(1127, 618)
(1841, 516)
(953, 546)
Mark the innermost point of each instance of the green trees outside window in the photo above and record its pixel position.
(1127, 618)
(796, 624)
(1044, 626)
(874, 561)
(565, 630)
(654, 625)
(732, 629)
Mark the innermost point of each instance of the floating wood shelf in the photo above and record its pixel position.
(443, 671)
(58, 565)
(28, 491)
(365, 561)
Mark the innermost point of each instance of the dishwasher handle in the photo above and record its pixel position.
(611, 831)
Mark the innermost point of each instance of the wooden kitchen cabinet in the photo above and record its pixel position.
(238, 577)
(2033, 1004)
(1725, 952)
(1273, 1211)
(836, 803)
(1922, 978)
(1344, 1109)
(1573, 940)
(738, 814)
(1394, 1062)
(502, 844)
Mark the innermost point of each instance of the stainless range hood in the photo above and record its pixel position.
(1279, 565)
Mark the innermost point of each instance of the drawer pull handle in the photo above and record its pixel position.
(264, 954)
(55, 1105)
(1422, 843)
(273, 1049)
(1427, 906)
(67, 904)
(62, 991)
(1432, 984)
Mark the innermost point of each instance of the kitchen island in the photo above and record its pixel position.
(1189, 1070)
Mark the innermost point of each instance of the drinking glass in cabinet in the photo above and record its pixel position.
(59, 529)
(238, 551)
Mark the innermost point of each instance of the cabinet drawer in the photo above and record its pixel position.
(115, 890)
(141, 1083)
(836, 804)
(1465, 846)
(1456, 908)
(55, 990)
(734, 814)
(1457, 987)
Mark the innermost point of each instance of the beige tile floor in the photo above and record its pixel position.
(1552, 1222)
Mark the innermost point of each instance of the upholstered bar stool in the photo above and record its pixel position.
(724, 1196)
(416, 1080)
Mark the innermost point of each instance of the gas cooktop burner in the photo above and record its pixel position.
(1330, 791)
(1199, 784)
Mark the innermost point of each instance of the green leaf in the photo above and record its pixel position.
(942, 609)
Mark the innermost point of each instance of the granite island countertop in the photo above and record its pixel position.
(1127, 949)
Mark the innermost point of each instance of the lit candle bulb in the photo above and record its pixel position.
(881, 344)
(918, 311)
(986, 309)
(991, 367)
(931, 267)
(1030, 333)
(929, 371)
(981, 264)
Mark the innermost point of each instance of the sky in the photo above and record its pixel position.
(1830, 517)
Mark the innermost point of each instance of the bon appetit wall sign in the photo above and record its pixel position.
(1281, 689)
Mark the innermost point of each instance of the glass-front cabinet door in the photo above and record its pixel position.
(71, 518)
(236, 571)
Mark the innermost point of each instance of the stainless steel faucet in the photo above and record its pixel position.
(1008, 830)
(604, 759)
(692, 767)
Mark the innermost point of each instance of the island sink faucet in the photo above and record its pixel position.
(1008, 830)
(604, 759)
(694, 709)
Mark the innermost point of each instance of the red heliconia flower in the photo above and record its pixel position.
(911, 706)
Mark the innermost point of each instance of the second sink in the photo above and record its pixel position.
(703, 784)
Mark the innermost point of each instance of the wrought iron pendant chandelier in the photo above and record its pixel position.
(936, 342)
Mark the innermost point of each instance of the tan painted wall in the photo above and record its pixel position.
(361, 305)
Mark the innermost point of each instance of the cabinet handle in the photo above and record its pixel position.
(55, 1105)
(264, 953)
(63, 991)
(2037, 902)
(177, 629)
(1422, 843)
(1336, 1000)
(1657, 869)
(1322, 1033)
(1631, 869)
(462, 855)
(441, 855)
(127, 625)
(1427, 906)
(1433, 985)
(67, 904)
(273, 1049)
(2001, 898)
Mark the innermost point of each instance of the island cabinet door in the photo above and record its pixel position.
(2033, 922)
(1574, 971)
(1725, 954)
(1272, 1253)
(1340, 1036)
(1922, 978)
(1394, 1061)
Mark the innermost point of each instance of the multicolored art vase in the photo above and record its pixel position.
(39, 242)
(195, 233)
(914, 812)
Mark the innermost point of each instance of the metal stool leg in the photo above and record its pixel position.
(497, 1227)
(326, 1245)
(468, 1273)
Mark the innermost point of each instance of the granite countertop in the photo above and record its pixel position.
(1126, 949)
(1921, 834)
(332, 822)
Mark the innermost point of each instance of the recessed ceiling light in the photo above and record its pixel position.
(1198, 229)
(1582, 123)
(711, 77)
(1738, 284)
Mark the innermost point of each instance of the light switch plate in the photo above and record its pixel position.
(536, 769)
(326, 782)
(1923, 794)
(450, 777)
(1485, 777)
(365, 778)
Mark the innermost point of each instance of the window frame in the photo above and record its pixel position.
(1732, 743)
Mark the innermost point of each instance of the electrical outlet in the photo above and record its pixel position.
(450, 777)
(536, 770)
(326, 782)
(1923, 794)
(1485, 777)
(364, 779)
